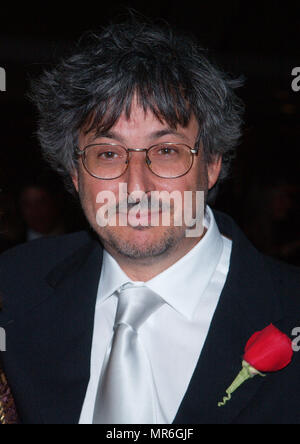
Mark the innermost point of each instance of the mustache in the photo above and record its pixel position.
(144, 205)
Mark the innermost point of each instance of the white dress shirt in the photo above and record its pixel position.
(175, 334)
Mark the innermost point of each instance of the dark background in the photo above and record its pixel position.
(258, 40)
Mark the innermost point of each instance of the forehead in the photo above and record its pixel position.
(143, 123)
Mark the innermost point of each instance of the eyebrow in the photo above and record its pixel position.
(110, 134)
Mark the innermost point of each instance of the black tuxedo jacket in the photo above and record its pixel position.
(49, 288)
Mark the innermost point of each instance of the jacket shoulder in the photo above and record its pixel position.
(286, 278)
(36, 258)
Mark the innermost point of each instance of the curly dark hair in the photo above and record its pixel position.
(169, 73)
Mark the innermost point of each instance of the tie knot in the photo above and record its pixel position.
(136, 304)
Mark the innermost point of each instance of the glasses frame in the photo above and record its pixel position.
(82, 153)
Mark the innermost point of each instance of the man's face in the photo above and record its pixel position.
(142, 130)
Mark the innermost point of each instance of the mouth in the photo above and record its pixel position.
(142, 218)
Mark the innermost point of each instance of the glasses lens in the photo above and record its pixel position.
(170, 160)
(105, 161)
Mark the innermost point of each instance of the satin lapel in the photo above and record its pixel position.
(247, 304)
(58, 361)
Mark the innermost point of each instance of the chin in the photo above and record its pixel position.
(141, 242)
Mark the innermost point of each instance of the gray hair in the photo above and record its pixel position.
(169, 73)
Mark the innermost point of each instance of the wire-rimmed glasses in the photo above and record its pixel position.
(109, 161)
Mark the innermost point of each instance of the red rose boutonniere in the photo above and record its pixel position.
(268, 350)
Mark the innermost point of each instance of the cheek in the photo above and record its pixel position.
(197, 179)
(201, 176)
(94, 193)
(87, 190)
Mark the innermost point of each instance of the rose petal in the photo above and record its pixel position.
(268, 350)
(252, 340)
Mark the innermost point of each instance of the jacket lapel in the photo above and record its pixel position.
(58, 361)
(247, 304)
(71, 377)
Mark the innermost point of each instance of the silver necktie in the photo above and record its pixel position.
(126, 393)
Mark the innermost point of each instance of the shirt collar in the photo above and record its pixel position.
(195, 268)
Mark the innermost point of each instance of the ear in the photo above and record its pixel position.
(74, 177)
(213, 171)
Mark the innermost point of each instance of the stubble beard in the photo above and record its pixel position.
(161, 246)
(111, 240)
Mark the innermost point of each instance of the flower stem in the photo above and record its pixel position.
(247, 372)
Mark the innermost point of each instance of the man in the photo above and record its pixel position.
(142, 321)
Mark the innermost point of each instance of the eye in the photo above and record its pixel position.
(167, 150)
(108, 155)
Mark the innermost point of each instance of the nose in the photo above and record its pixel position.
(138, 176)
